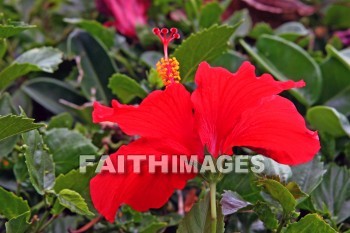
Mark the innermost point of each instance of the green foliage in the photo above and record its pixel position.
(13, 28)
(95, 62)
(38, 59)
(309, 224)
(329, 120)
(125, 88)
(39, 162)
(280, 193)
(18, 224)
(14, 207)
(199, 218)
(53, 94)
(209, 15)
(11, 125)
(66, 146)
(286, 60)
(202, 46)
(101, 33)
(332, 195)
(74, 202)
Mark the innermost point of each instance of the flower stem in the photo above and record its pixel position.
(213, 207)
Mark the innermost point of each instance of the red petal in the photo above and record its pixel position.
(276, 129)
(221, 98)
(162, 114)
(141, 191)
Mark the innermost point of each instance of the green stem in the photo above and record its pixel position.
(280, 227)
(213, 207)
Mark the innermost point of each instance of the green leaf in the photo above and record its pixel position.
(95, 63)
(97, 30)
(295, 190)
(3, 47)
(39, 162)
(230, 60)
(272, 168)
(199, 218)
(291, 31)
(329, 120)
(243, 184)
(13, 28)
(66, 147)
(308, 175)
(231, 202)
(261, 29)
(335, 73)
(18, 224)
(287, 61)
(338, 16)
(125, 88)
(74, 202)
(39, 59)
(280, 193)
(154, 79)
(210, 14)
(266, 215)
(205, 45)
(63, 120)
(310, 223)
(11, 125)
(333, 195)
(154, 227)
(14, 207)
(341, 101)
(78, 182)
(52, 93)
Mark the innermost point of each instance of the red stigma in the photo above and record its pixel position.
(166, 37)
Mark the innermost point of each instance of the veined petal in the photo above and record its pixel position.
(162, 114)
(275, 129)
(221, 97)
(141, 191)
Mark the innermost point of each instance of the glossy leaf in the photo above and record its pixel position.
(39, 162)
(335, 73)
(310, 223)
(199, 218)
(52, 93)
(74, 202)
(230, 60)
(205, 45)
(291, 30)
(97, 30)
(14, 207)
(287, 61)
(125, 88)
(11, 125)
(39, 59)
(66, 147)
(341, 101)
(95, 62)
(329, 120)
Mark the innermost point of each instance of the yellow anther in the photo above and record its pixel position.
(168, 70)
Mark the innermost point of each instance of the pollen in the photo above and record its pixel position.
(168, 70)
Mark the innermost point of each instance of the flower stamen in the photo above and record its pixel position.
(168, 68)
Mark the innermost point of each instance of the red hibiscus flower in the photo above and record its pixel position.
(127, 14)
(226, 110)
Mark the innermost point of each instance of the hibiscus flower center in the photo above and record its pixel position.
(168, 68)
